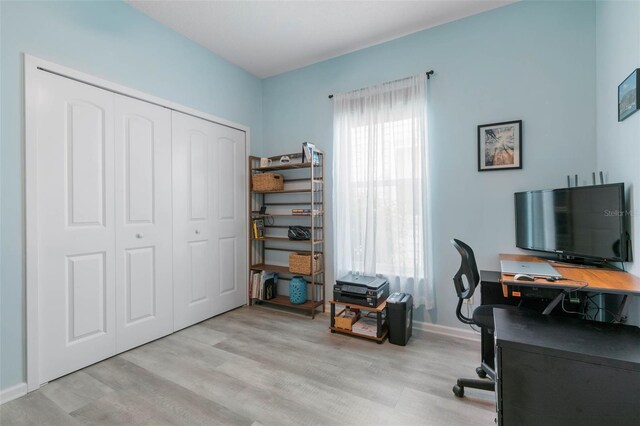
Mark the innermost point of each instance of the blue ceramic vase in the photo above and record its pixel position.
(297, 290)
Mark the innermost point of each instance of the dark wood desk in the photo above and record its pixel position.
(578, 278)
(561, 371)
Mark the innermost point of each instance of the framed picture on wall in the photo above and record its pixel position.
(628, 94)
(500, 146)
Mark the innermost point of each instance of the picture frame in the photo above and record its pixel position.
(500, 146)
(629, 95)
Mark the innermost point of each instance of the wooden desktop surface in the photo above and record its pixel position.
(599, 280)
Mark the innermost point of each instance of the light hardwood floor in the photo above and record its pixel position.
(257, 365)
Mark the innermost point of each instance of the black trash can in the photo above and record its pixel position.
(400, 318)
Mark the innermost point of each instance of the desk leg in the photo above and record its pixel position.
(379, 324)
(553, 303)
(621, 310)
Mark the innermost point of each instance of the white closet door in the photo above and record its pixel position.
(75, 224)
(231, 219)
(144, 291)
(195, 184)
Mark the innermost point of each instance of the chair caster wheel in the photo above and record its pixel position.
(458, 391)
(481, 373)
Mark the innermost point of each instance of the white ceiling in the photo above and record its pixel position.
(271, 37)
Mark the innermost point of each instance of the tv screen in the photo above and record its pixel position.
(587, 221)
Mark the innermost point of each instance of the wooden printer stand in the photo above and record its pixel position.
(380, 310)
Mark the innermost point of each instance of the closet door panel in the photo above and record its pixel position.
(76, 280)
(231, 219)
(144, 288)
(194, 233)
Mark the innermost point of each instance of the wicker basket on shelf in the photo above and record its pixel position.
(300, 263)
(266, 182)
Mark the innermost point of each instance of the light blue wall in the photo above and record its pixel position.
(618, 144)
(116, 42)
(533, 61)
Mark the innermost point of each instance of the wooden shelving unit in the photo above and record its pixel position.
(304, 188)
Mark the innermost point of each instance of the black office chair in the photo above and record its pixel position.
(482, 315)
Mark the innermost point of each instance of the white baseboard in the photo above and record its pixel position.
(444, 330)
(16, 391)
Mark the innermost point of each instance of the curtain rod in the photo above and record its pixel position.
(429, 74)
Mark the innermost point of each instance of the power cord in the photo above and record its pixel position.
(582, 314)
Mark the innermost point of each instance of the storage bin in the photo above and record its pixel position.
(341, 320)
(267, 182)
(300, 263)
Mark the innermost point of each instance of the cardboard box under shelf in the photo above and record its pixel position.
(344, 322)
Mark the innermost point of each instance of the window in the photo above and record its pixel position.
(380, 159)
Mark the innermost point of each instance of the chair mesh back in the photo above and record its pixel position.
(468, 269)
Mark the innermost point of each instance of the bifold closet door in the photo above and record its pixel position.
(230, 211)
(76, 226)
(195, 181)
(144, 290)
(209, 221)
(141, 217)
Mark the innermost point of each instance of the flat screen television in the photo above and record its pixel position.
(582, 222)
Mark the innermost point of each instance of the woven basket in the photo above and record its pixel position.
(265, 182)
(300, 263)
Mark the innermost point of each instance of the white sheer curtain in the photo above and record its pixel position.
(380, 185)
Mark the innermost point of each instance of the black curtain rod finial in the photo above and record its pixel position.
(429, 74)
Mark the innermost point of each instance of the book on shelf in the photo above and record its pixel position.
(255, 285)
(263, 285)
(269, 286)
(308, 153)
(258, 228)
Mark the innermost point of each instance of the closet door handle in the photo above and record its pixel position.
(139, 235)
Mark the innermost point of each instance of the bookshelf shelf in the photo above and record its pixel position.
(284, 301)
(258, 215)
(288, 191)
(279, 269)
(304, 182)
(290, 166)
(290, 250)
(287, 240)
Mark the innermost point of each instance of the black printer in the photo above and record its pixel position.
(361, 290)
